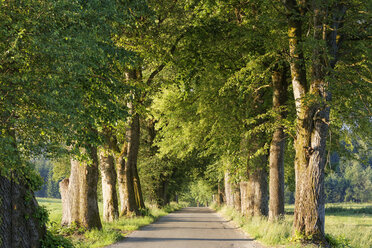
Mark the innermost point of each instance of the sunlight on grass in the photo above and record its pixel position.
(54, 207)
(349, 224)
(110, 233)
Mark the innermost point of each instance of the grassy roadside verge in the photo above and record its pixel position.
(110, 233)
(347, 225)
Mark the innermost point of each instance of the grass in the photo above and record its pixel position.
(347, 225)
(110, 233)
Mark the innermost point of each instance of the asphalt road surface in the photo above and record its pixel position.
(188, 228)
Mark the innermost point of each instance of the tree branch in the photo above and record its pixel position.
(162, 65)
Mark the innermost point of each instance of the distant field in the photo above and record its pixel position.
(54, 207)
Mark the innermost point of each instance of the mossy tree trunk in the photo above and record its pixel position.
(312, 123)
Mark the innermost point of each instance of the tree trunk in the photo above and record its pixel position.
(133, 139)
(66, 212)
(236, 196)
(228, 190)
(89, 213)
(162, 193)
(277, 175)
(277, 148)
(312, 129)
(82, 193)
(259, 177)
(133, 136)
(109, 194)
(244, 198)
(19, 226)
(219, 195)
(254, 193)
(74, 193)
(126, 188)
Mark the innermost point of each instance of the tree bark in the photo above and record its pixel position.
(236, 196)
(277, 148)
(74, 193)
(311, 132)
(219, 194)
(109, 194)
(89, 213)
(82, 192)
(19, 224)
(259, 178)
(162, 198)
(254, 197)
(244, 198)
(228, 190)
(66, 212)
(133, 139)
(133, 136)
(128, 202)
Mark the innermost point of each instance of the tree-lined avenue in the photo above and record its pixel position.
(189, 227)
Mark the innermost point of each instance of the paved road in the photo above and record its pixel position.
(188, 228)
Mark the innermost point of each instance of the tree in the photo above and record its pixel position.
(108, 174)
(312, 95)
(277, 147)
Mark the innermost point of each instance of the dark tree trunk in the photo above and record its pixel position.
(133, 136)
(259, 177)
(254, 195)
(109, 194)
(277, 148)
(162, 193)
(219, 194)
(19, 226)
(133, 139)
(89, 213)
(244, 198)
(237, 200)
